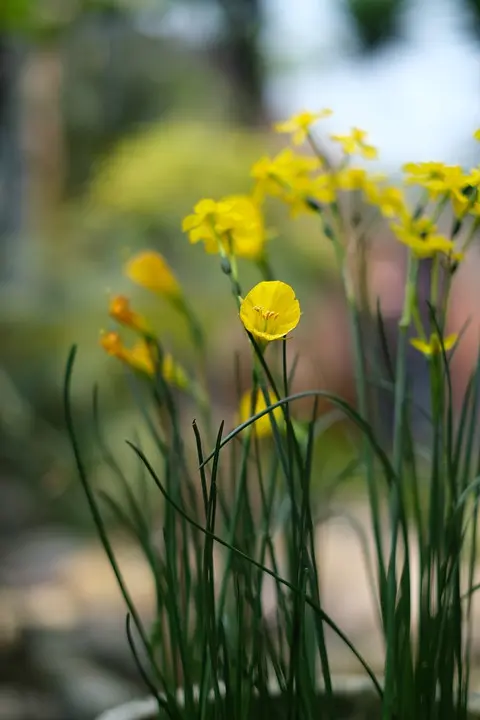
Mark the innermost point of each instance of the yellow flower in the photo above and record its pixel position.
(424, 247)
(476, 135)
(121, 311)
(421, 237)
(290, 177)
(138, 358)
(270, 310)
(440, 180)
(355, 144)
(262, 426)
(141, 357)
(434, 345)
(320, 189)
(111, 343)
(389, 200)
(299, 125)
(352, 178)
(277, 176)
(234, 222)
(150, 270)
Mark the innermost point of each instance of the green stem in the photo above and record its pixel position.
(265, 268)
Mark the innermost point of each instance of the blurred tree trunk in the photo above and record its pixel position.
(242, 23)
(12, 173)
(44, 133)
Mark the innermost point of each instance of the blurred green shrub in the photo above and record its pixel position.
(376, 21)
(150, 172)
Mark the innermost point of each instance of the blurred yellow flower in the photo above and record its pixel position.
(299, 125)
(355, 144)
(262, 426)
(476, 135)
(389, 200)
(424, 247)
(121, 311)
(270, 310)
(291, 178)
(235, 222)
(440, 180)
(279, 176)
(421, 236)
(321, 189)
(352, 178)
(434, 345)
(111, 343)
(150, 270)
(141, 357)
(138, 358)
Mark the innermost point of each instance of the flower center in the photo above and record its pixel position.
(265, 314)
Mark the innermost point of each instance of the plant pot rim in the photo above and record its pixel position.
(146, 708)
(345, 685)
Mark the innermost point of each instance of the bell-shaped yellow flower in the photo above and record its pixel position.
(434, 345)
(270, 310)
(150, 270)
(262, 426)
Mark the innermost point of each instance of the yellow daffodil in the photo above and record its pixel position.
(235, 223)
(355, 144)
(270, 311)
(262, 426)
(150, 270)
(476, 135)
(141, 357)
(121, 311)
(434, 345)
(299, 125)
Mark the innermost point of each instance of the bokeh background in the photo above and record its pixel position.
(115, 117)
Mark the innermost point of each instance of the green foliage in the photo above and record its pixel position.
(15, 15)
(376, 21)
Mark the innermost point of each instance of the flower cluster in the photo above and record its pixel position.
(234, 227)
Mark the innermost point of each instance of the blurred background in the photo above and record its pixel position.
(115, 117)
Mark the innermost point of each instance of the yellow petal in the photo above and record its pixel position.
(422, 346)
(450, 341)
(262, 426)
